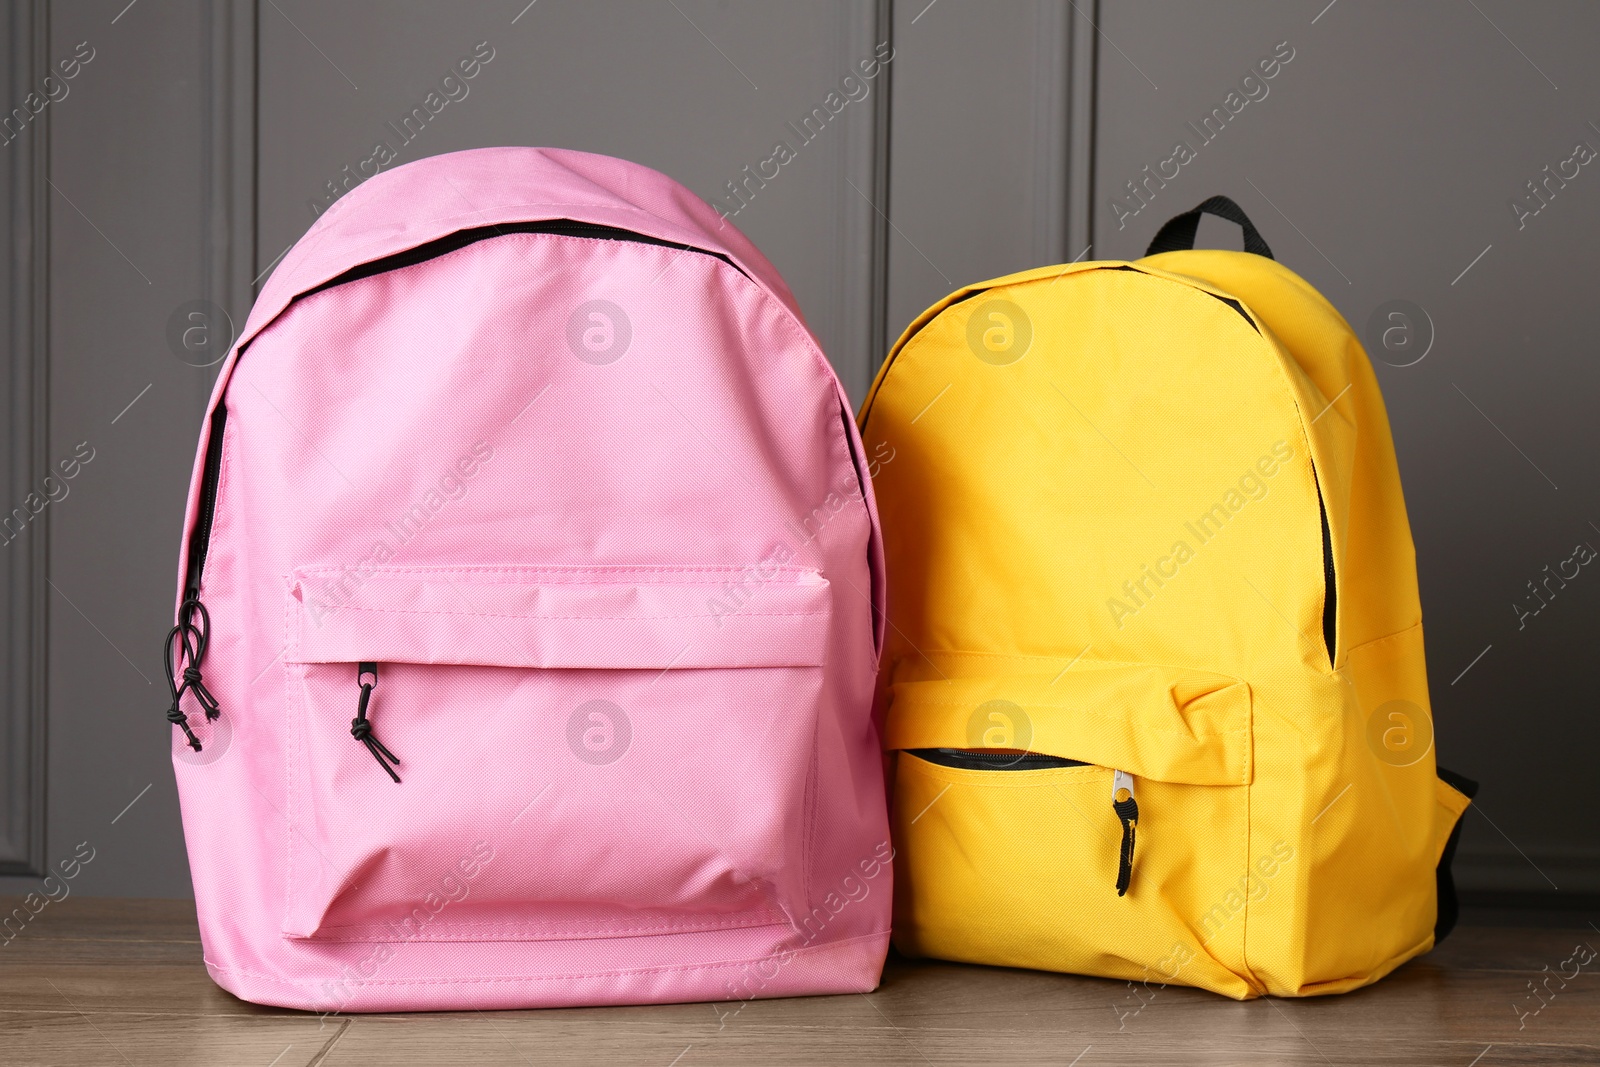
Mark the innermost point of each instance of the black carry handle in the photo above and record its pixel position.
(1178, 234)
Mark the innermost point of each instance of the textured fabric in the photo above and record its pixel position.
(1104, 528)
(596, 511)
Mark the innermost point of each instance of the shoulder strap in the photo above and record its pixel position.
(1449, 906)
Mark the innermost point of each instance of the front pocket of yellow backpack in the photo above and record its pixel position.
(1023, 805)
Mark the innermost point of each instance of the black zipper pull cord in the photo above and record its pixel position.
(1127, 809)
(187, 639)
(361, 729)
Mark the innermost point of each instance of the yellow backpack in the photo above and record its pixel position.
(1154, 682)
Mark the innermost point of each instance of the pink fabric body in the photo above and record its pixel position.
(623, 616)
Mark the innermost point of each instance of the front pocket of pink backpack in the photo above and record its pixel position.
(582, 752)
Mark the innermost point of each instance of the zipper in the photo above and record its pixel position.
(361, 727)
(975, 293)
(1123, 803)
(1330, 595)
(185, 646)
(973, 760)
(200, 541)
(462, 238)
(181, 656)
(187, 638)
(1127, 809)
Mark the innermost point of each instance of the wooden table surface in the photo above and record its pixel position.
(120, 982)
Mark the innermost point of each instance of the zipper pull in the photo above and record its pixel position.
(361, 729)
(1127, 809)
(186, 646)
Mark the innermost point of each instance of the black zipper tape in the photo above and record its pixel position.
(978, 760)
(462, 238)
(200, 540)
(1330, 582)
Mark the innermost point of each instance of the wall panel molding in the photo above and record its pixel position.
(993, 143)
(1054, 28)
(24, 173)
(228, 158)
(1083, 47)
(862, 279)
(1063, 140)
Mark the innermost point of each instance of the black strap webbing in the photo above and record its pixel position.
(1449, 906)
(1179, 232)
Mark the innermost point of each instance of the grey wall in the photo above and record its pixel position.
(181, 163)
(126, 204)
(1380, 166)
(636, 80)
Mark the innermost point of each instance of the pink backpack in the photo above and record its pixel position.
(529, 610)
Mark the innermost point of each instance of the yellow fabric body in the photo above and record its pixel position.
(1102, 514)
